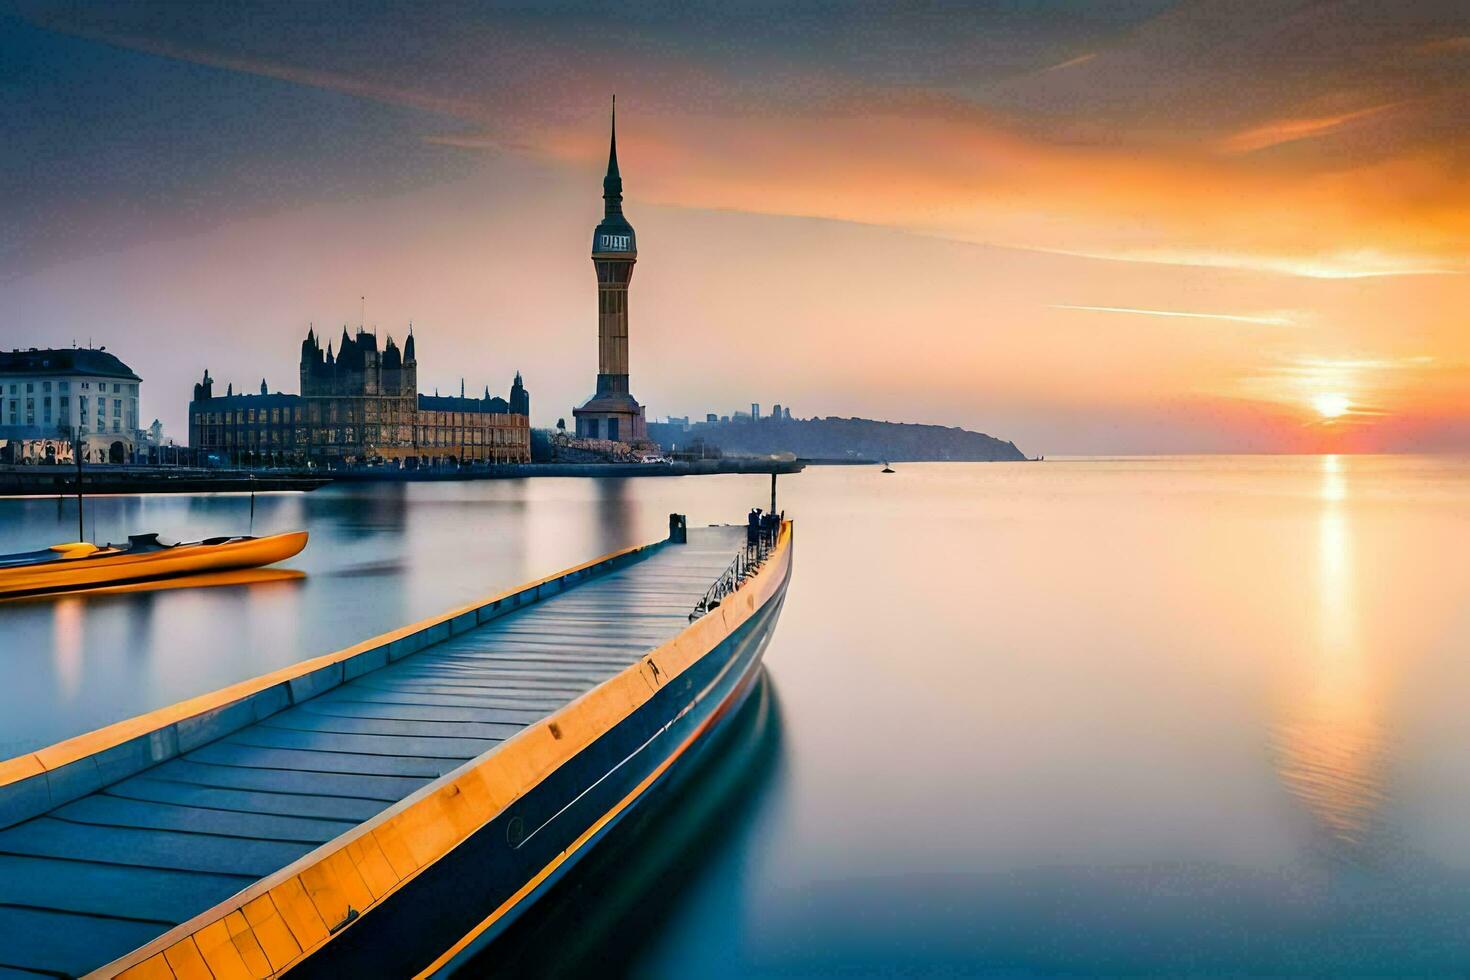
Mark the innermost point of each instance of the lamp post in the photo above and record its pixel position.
(76, 455)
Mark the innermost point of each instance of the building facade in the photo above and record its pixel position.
(612, 413)
(53, 396)
(359, 406)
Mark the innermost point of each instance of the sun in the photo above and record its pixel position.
(1331, 406)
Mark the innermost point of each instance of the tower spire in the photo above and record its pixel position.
(612, 184)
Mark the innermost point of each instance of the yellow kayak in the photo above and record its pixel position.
(81, 565)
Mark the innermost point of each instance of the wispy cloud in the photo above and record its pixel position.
(1280, 131)
(1081, 59)
(1354, 264)
(1233, 317)
(1447, 45)
(387, 93)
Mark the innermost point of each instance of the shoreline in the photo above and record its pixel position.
(49, 481)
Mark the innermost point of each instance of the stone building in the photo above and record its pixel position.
(51, 396)
(612, 413)
(360, 405)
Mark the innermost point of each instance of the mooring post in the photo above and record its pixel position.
(773, 491)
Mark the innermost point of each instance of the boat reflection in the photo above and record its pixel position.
(1330, 746)
(603, 918)
(241, 576)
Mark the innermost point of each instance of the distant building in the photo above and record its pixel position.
(360, 405)
(612, 413)
(755, 411)
(520, 399)
(711, 417)
(776, 411)
(55, 394)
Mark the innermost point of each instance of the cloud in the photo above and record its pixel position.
(1081, 59)
(1290, 130)
(1237, 318)
(347, 84)
(1447, 45)
(1121, 161)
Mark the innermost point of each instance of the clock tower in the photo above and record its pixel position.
(612, 412)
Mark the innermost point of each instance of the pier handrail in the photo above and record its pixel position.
(745, 564)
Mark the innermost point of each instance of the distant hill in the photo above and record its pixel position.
(838, 438)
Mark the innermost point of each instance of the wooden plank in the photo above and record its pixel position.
(104, 889)
(377, 745)
(517, 700)
(14, 973)
(239, 752)
(115, 811)
(64, 944)
(519, 717)
(554, 658)
(246, 801)
(566, 691)
(388, 788)
(522, 676)
(49, 837)
(340, 725)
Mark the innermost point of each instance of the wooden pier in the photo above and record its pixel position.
(245, 831)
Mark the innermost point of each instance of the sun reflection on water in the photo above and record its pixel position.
(1330, 745)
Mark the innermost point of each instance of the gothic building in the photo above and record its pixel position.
(359, 398)
(360, 405)
(612, 413)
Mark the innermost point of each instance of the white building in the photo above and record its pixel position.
(54, 394)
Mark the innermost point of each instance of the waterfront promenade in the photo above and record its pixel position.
(16, 481)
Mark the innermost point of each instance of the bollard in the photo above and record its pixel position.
(678, 529)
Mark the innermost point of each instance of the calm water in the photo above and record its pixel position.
(1110, 716)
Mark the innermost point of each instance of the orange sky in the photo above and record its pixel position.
(1172, 227)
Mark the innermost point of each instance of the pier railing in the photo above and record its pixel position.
(745, 564)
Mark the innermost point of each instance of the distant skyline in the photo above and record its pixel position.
(1122, 226)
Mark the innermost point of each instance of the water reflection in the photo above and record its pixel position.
(607, 915)
(74, 600)
(1088, 697)
(1331, 754)
(614, 512)
(366, 510)
(67, 646)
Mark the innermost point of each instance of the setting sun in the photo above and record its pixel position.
(1330, 406)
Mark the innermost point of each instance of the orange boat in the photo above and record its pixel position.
(82, 565)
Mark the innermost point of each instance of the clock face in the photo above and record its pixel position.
(614, 243)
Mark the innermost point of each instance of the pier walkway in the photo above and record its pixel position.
(97, 877)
